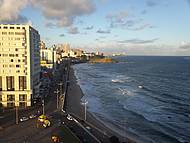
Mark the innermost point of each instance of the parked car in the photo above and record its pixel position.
(87, 127)
(32, 116)
(69, 117)
(24, 119)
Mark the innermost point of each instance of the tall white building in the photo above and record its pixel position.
(19, 65)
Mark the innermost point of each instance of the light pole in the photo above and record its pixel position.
(60, 86)
(85, 103)
(57, 98)
(16, 110)
(43, 108)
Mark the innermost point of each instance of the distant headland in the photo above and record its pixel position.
(102, 59)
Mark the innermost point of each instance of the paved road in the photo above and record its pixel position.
(26, 132)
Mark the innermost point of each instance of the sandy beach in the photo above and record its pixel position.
(74, 107)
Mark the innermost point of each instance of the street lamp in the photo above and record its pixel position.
(57, 98)
(85, 103)
(60, 86)
(16, 110)
(43, 108)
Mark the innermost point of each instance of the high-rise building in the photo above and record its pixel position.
(19, 65)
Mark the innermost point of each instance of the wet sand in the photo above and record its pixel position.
(74, 107)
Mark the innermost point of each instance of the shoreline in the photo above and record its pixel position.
(74, 107)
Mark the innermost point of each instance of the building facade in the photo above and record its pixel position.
(48, 58)
(19, 65)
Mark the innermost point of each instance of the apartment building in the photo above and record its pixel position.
(19, 65)
(47, 56)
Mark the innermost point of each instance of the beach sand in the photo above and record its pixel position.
(74, 107)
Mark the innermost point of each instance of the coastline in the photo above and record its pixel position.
(74, 107)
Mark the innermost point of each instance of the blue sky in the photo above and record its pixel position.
(137, 27)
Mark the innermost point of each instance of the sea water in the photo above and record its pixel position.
(146, 97)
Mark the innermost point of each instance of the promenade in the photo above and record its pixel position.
(72, 131)
(74, 107)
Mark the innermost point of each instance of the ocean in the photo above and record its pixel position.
(145, 97)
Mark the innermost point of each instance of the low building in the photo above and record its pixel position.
(48, 58)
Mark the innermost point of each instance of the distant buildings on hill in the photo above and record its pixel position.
(65, 51)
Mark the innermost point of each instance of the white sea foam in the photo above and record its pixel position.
(117, 81)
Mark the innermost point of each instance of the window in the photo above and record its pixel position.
(17, 66)
(5, 66)
(0, 83)
(22, 97)
(18, 28)
(4, 33)
(10, 83)
(11, 97)
(11, 55)
(22, 104)
(17, 38)
(11, 60)
(12, 28)
(16, 49)
(11, 33)
(19, 33)
(5, 27)
(12, 104)
(0, 97)
(18, 60)
(22, 82)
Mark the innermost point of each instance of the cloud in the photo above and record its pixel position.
(89, 27)
(62, 35)
(184, 46)
(73, 30)
(117, 19)
(126, 21)
(103, 31)
(138, 41)
(10, 11)
(151, 3)
(64, 12)
(142, 27)
(50, 25)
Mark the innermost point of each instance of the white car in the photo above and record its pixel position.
(87, 127)
(69, 117)
(32, 116)
(24, 119)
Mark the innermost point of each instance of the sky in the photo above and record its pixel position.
(135, 27)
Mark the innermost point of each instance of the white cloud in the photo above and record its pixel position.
(138, 41)
(63, 12)
(10, 10)
(103, 31)
(73, 30)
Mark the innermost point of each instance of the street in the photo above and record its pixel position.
(27, 132)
